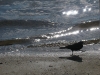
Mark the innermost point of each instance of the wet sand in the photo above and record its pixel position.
(87, 63)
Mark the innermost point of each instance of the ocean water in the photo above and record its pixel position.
(36, 26)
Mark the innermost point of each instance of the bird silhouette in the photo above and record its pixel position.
(74, 47)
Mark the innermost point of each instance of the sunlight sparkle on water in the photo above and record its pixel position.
(37, 40)
(87, 9)
(71, 12)
(65, 34)
(92, 29)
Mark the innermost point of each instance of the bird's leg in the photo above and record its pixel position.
(72, 52)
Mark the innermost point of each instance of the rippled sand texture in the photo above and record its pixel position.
(85, 64)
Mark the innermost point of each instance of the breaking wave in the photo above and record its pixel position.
(31, 40)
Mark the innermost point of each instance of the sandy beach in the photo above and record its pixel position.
(87, 63)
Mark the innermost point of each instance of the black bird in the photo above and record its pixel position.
(74, 47)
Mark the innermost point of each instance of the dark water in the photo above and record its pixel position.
(45, 25)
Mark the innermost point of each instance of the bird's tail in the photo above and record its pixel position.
(62, 48)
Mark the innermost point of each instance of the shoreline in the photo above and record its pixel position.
(87, 63)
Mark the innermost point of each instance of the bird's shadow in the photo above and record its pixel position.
(73, 58)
